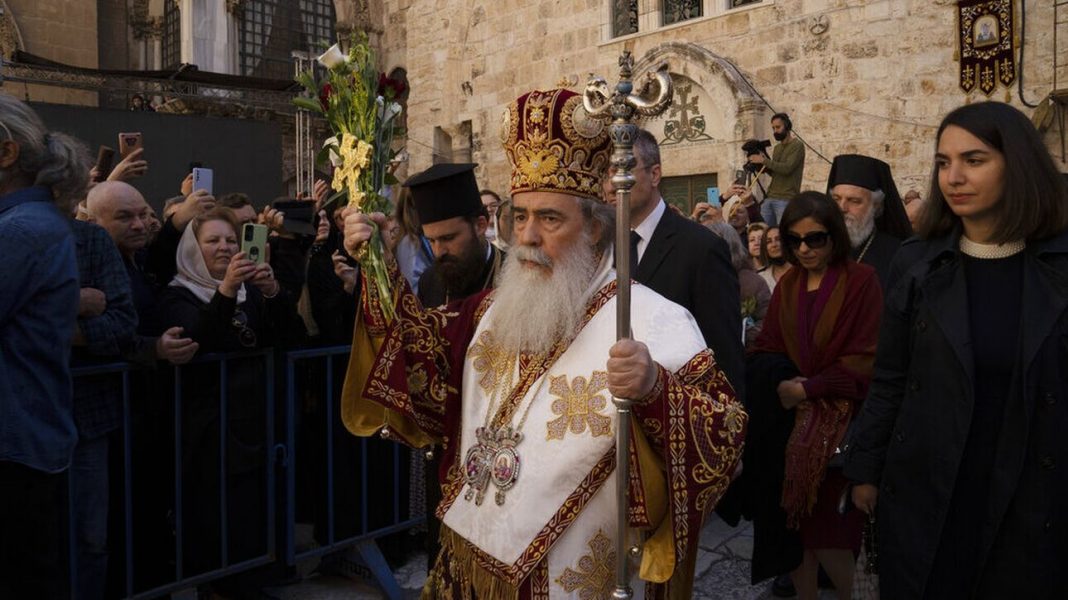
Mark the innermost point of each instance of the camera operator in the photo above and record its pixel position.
(786, 166)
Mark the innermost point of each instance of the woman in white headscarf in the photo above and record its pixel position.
(225, 303)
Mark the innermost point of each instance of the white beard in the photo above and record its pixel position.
(532, 310)
(859, 232)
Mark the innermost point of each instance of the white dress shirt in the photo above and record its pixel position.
(646, 228)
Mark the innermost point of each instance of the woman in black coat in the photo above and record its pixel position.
(961, 448)
(225, 303)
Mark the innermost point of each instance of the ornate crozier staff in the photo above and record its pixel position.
(653, 98)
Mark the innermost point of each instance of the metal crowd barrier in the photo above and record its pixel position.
(276, 456)
(364, 538)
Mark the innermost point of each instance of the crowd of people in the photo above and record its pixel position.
(895, 365)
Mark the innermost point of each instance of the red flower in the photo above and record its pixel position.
(324, 96)
(390, 88)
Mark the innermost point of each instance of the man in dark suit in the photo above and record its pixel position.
(684, 262)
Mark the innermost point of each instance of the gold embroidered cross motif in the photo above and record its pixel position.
(593, 580)
(579, 405)
(489, 360)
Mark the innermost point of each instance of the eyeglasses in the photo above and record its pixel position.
(815, 240)
(245, 334)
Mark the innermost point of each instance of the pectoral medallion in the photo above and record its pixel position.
(492, 460)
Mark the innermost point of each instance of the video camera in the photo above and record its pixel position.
(755, 146)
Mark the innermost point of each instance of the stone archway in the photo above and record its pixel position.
(10, 36)
(713, 112)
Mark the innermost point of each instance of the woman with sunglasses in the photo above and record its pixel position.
(811, 367)
(225, 303)
(961, 449)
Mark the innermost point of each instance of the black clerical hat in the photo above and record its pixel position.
(873, 174)
(445, 191)
(860, 170)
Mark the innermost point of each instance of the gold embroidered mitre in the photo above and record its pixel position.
(554, 145)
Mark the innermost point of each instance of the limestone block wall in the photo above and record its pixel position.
(60, 30)
(876, 80)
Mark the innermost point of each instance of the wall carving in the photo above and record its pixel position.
(10, 37)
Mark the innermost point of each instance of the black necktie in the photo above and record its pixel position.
(634, 239)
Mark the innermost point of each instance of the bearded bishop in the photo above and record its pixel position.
(516, 384)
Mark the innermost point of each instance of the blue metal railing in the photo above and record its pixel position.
(276, 456)
(364, 539)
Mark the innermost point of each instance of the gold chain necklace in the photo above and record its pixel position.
(867, 244)
(493, 459)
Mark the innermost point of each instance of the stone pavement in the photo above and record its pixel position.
(722, 573)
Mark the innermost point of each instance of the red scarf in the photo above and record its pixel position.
(831, 339)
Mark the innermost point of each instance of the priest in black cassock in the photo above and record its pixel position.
(454, 222)
(864, 189)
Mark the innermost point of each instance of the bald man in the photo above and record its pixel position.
(122, 211)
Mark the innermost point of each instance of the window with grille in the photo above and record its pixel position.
(172, 35)
(676, 11)
(684, 192)
(624, 17)
(269, 30)
(740, 3)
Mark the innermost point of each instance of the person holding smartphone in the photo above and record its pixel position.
(225, 303)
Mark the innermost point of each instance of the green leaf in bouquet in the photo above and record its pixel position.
(311, 104)
(390, 179)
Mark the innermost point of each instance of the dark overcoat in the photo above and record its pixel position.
(691, 266)
(912, 429)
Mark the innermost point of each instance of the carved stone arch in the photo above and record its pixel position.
(714, 74)
(728, 111)
(10, 36)
(685, 56)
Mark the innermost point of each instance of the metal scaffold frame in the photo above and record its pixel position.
(305, 132)
(248, 100)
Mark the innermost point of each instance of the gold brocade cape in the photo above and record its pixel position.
(432, 381)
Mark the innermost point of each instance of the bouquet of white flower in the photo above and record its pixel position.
(360, 105)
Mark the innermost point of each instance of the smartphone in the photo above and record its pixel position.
(128, 142)
(739, 175)
(202, 179)
(713, 196)
(105, 156)
(300, 215)
(254, 242)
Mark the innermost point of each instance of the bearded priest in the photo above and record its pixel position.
(516, 384)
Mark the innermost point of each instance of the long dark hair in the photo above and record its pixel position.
(1034, 204)
(825, 212)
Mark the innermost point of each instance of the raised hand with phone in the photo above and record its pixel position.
(196, 203)
(242, 270)
(130, 167)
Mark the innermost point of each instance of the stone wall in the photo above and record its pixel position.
(59, 30)
(873, 77)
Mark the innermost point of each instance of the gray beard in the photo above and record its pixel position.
(533, 310)
(860, 232)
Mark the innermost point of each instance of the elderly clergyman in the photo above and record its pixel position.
(864, 190)
(517, 385)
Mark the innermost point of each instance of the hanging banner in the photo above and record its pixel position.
(987, 44)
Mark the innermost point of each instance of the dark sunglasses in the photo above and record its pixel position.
(814, 240)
